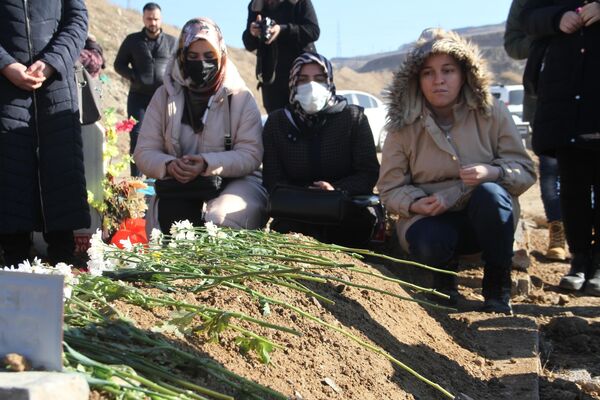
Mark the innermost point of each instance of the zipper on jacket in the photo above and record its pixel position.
(35, 114)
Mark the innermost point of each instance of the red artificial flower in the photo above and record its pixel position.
(133, 229)
(126, 125)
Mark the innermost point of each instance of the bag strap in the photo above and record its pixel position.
(81, 83)
(228, 140)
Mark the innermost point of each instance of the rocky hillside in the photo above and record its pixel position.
(489, 38)
(110, 24)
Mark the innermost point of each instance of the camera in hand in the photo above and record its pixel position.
(265, 25)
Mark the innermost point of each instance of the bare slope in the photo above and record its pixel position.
(110, 24)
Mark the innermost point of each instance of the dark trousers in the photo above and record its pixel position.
(579, 170)
(136, 108)
(17, 246)
(550, 188)
(354, 231)
(485, 225)
(172, 210)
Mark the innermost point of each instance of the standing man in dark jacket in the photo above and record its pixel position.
(279, 31)
(567, 123)
(142, 60)
(42, 182)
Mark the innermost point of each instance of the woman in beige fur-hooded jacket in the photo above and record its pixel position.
(453, 163)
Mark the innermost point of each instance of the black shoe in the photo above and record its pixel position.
(575, 278)
(500, 305)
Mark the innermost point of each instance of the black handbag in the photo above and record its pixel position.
(308, 205)
(202, 188)
(88, 91)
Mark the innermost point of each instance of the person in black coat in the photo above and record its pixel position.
(293, 30)
(567, 123)
(142, 59)
(319, 141)
(519, 45)
(42, 182)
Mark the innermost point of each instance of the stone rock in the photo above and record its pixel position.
(43, 386)
(576, 375)
(521, 284)
(16, 363)
(592, 385)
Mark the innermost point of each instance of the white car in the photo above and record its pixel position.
(511, 96)
(375, 110)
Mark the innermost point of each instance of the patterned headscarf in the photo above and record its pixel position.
(206, 29)
(335, 104)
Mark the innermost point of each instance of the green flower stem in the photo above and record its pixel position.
(210, 366)
(234, 314)
(296, 287)
(138, 363)
(374, 289)
(350, 336)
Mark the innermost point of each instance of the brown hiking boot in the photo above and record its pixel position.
(556, 241)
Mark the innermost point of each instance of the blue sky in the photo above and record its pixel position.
(348, 27)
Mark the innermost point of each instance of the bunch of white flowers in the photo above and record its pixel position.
(156, 237)
(182, 230)
(98, 263)
(37, 267)
(214, 231)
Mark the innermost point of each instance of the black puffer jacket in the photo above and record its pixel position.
(42, 183)
(342, 152)
(141, 66)
(569, 80)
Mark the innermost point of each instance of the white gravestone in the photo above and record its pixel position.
(31, 318)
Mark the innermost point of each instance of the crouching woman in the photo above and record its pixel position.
(201, 138)
(453, 165)
(319, 146)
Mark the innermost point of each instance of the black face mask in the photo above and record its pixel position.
(201, 72)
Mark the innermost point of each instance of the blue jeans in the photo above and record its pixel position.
(550, 187)
(136, 108)
(486, 225)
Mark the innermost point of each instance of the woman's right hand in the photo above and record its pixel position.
(183, 170)
(590, 13)
(430, 206)
(571, 22)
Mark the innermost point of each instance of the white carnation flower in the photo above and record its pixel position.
(25, 266)
(182, 230)
(127, 245)
(214, 231)
(64, 269)
(156, 236)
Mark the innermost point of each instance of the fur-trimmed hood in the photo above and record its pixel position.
(405, 99)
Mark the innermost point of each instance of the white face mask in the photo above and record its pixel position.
(312, 96)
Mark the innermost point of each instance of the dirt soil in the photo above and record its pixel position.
(569, 322)
(451, 349)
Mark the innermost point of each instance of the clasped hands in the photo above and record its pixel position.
(186, 168)
(471, 175)
(572, 21)
(28, 78)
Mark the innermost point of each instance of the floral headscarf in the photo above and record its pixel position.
(206, 29)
